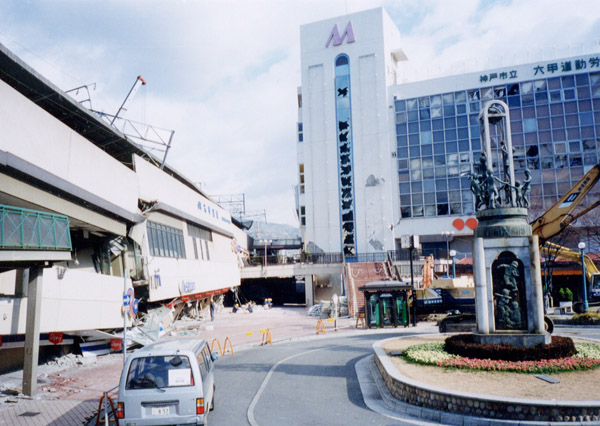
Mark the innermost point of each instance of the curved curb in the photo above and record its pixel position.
(491, 408)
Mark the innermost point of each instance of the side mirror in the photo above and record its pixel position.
(215, 356)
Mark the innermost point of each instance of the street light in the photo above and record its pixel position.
(581, 246)
(453, 256)
(265, 243)
(448, 236)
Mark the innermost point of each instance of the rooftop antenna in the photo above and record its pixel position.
(139, 81)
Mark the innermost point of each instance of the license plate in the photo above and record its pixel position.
(160, 411)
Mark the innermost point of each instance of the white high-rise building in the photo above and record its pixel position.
(346, 193)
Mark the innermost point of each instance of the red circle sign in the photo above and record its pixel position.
(116, 344)
(56, 337)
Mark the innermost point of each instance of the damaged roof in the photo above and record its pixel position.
(43, 93)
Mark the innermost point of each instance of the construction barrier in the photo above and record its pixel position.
(266, 337)
(225, 346)
(106, 420)
(320, 327)
(212, 346)
(361, 318)
(222, 349)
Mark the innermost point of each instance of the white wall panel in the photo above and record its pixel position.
(77, 300)
(156, 185)
(35, 136)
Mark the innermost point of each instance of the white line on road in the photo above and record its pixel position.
(251, 419)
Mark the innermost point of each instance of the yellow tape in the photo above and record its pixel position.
(249, 334)
(331, 319)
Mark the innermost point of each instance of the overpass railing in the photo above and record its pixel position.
(330, 258)
(31, 229)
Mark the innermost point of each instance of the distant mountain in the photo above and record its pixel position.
(273, 231)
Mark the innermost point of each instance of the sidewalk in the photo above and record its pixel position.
(69, 396)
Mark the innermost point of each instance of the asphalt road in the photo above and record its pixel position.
(300, 383)
(587, 332)
(310, 382)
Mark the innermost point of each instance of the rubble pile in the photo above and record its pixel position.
(325, 308)
(69, 360)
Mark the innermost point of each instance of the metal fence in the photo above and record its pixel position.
(329, 258)
(31, 229)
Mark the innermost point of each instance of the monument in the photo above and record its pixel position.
(506, 261)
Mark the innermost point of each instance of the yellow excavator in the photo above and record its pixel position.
(561, 215)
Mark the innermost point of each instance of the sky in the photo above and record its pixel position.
(223, 74)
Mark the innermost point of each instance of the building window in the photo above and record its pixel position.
(165, 241)
(302, 216)
(195, 249)
(301, 176)
(300, 133)
(554, 122)
(200, 235)
(345, 152)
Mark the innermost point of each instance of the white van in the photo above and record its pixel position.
(167, 382)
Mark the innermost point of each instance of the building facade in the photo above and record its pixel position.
(413, 145)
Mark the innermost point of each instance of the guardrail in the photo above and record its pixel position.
(25, 229)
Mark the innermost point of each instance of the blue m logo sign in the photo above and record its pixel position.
(334, 36)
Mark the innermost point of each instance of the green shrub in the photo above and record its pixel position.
(587, 318)
(464, 345)
(565, 294)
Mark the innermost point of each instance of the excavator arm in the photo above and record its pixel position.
(557, 250)
(591, 270)
(561, 215)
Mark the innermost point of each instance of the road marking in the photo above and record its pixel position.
(251, 419)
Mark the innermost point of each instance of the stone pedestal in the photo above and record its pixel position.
(506, 268)
(518, 339)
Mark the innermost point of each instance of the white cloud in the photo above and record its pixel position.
(223, 73)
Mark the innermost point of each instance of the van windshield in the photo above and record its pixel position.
(159, 372)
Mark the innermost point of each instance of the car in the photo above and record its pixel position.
(167, 382)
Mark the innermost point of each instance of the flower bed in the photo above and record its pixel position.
(587, 357)
(465, 345)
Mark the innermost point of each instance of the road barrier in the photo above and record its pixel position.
(361, 318)
(212, 346)
(320, 327)
(227, 339)
(107, 420)
(266, 338)
(222, 349)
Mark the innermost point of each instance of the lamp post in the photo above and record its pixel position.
(265, 243)
(581, 246)
(453, 256)
(447, 236)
